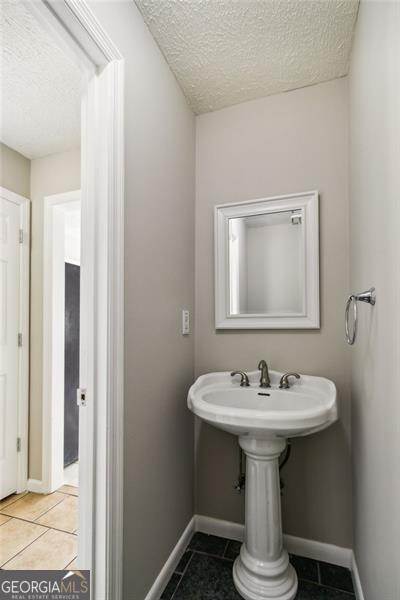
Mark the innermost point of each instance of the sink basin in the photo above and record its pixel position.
(263, 419)
(307, 406)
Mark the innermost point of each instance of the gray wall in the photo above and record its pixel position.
(14, 171)
(290, 142)
(53, 174)
(159, 282)
(375, 258)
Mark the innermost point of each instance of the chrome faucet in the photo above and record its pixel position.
(265, 381)
(244, 382)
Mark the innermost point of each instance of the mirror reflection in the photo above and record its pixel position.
(266, 263)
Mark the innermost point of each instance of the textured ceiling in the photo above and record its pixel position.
(40, 86)
(228, 51)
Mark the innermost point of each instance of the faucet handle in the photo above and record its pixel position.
(244, 382)
(284, 382)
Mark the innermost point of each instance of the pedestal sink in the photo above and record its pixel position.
(264, 418)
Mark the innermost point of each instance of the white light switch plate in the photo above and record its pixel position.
(185, 322)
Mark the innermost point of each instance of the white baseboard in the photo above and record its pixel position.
(335, 555)
(226, 529)
(302, 547)
(356, 579)
(166, 572)
(36, 485)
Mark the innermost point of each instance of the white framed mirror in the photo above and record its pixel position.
(267, 263)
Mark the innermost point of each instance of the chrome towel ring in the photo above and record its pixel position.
(370, 298)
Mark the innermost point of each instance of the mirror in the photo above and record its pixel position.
(267, 273)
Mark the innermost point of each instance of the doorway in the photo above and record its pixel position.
(71, 372)
(31, 522)
(73, 28)
(61, 339)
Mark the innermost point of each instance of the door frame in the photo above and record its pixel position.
(74, 27)
(23, 361)
(53, 343)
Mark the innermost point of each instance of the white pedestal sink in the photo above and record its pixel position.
(264, 418)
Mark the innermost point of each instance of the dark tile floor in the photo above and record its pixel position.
(205, 573)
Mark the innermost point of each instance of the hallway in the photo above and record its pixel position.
(39, 532)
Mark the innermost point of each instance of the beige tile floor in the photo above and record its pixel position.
(39, 532)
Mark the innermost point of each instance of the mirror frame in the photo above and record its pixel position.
(309, 319)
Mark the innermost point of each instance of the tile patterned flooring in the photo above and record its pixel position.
(205, 573)
(39, 532)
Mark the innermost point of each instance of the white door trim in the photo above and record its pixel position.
(102, 290)
(23, 368)
(53, 341)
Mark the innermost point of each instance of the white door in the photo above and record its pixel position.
(9, 357)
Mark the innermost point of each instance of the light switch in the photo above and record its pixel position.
(185, 322)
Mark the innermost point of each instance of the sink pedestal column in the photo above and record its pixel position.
(262, 570)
